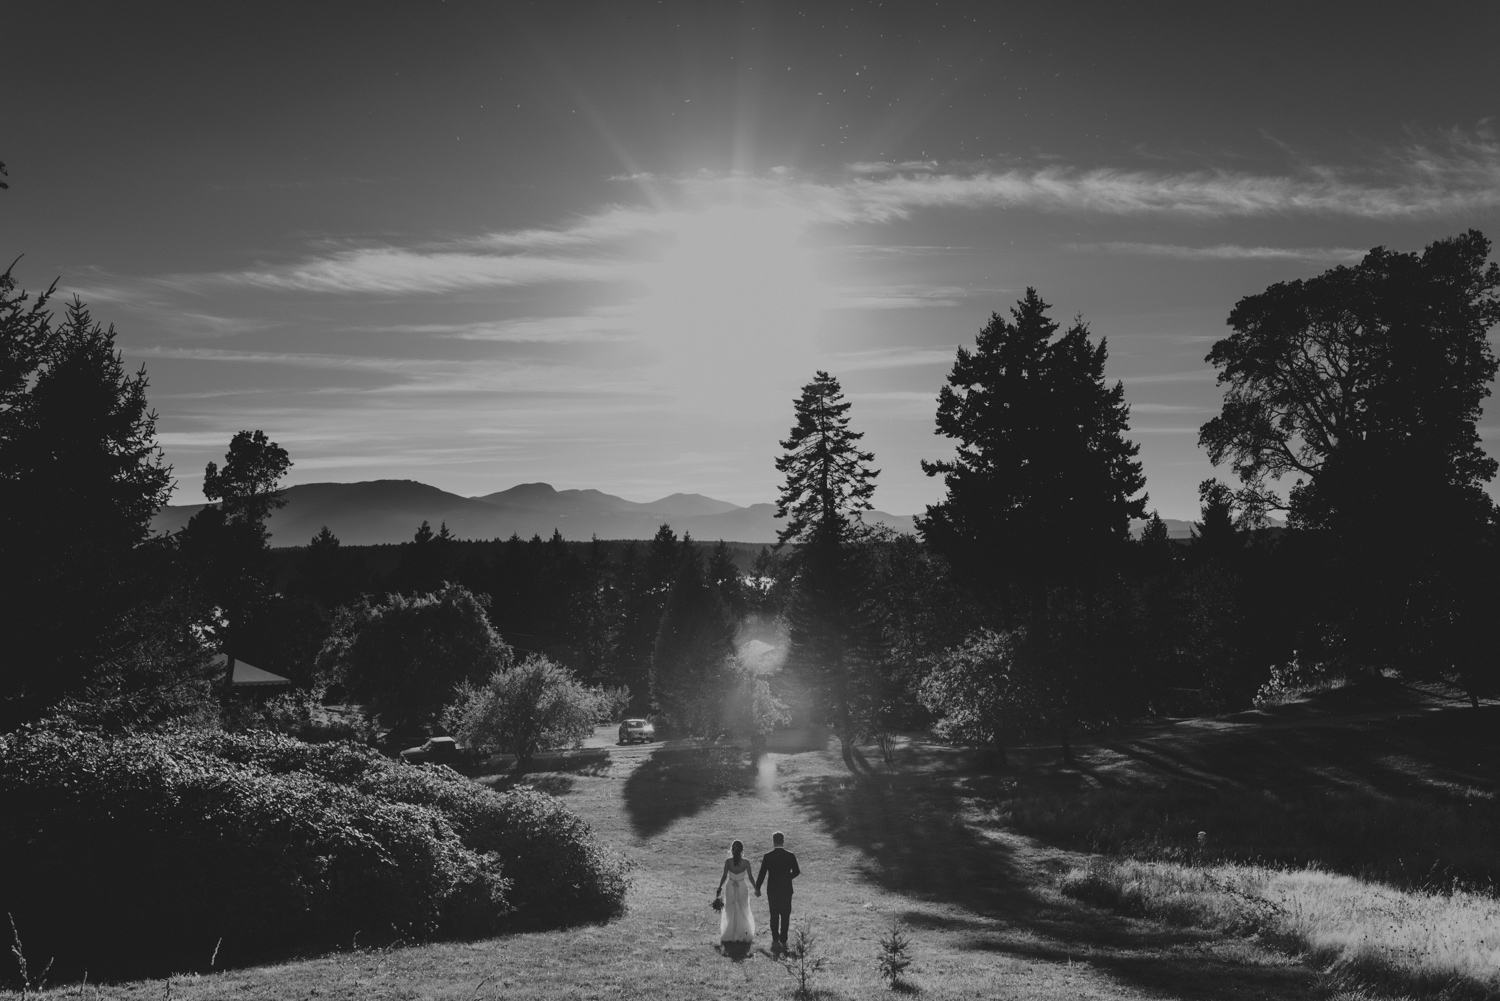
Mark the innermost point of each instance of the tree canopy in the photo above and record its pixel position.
(1043, 483)
(405, 656)
(78, 450)
(1344, 379)
(828, 479)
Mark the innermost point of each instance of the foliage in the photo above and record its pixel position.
(1043, 484)
(828, 479)
(612, 703)
(77, 448)
(137, 853)
(970, 689)
(1341, 378)
(225, 544)
(803, 960)
(894, 957)
(690, 661)
(1366, 384)
(248, 487)
(404, 657)
(523, 709)
(751, 709)
(828, 483)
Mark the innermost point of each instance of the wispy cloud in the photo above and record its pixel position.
(565, 329)
(1457, 176)
(855, 361)
(1226, 252)
(397, 271)
(905, 297)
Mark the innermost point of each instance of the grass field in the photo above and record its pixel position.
(982, 869)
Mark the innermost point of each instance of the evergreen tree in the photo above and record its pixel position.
(647, 579)
(828, 479)
(1043, 484)
(690, 661)
(1040, 493)
(78, 451)
(726, 577)
(828, 483)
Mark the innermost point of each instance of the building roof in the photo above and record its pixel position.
(250, 676)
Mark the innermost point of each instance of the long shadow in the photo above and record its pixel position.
(910, 834)
(674, 783)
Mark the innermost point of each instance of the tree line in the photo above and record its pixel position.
(1024, 606)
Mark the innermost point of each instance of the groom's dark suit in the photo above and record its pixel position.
(778, 867)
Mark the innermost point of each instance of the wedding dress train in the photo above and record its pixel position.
(736, 923)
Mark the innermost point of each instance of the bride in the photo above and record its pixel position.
(736, 923)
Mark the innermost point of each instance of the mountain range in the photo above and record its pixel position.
(388, 511)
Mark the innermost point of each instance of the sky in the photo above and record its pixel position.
(604, 244)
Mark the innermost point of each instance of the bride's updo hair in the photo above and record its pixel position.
(737, 848)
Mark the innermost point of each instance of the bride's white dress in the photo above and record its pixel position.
(736, 923)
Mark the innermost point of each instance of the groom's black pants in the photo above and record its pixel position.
(781, 916)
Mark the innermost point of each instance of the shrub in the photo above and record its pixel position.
(612, 703)
(895, 954)
(147, 853)
(531, 707)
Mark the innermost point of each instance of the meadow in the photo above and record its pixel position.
(1035, 882)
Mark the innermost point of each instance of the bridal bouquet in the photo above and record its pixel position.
(718, 903)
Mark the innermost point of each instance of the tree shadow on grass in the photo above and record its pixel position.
(675, 783)
(911, 836)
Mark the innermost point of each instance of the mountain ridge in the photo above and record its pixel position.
(375, 512)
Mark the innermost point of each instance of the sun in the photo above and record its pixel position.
(734, 303)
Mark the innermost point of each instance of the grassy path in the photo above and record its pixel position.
(919, 847)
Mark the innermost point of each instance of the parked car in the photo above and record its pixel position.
(632, 730)
(437, 751)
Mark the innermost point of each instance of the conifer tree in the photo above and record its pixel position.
(690, 659)
(1043, 483)
(828, 484)
(78, 452)
(828, 479)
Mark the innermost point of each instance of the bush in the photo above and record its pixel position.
(612, 703)
(149, 853)
(404, 657)
(534, 706)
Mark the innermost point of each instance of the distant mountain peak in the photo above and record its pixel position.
(374, 512)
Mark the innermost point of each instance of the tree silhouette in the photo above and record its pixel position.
(828, 479)
(1043, 483)
(828, 483)
(78, 451)
(690, 660)
(1343, 378)
(1366, 384)
(226, 544)
(1040, 493)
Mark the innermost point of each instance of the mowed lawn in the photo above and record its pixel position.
(919, 845)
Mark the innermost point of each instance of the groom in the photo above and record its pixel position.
(780, 866)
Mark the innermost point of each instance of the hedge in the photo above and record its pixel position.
(172, 851)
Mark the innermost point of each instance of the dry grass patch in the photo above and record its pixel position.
(1368, 936)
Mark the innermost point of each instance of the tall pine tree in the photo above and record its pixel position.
(1043, 482)
(1040, 493)
(828, 484)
